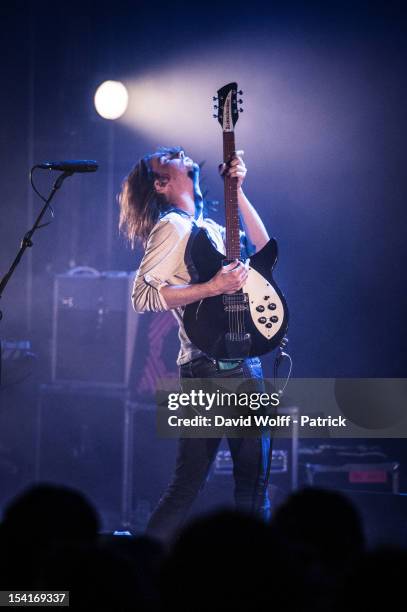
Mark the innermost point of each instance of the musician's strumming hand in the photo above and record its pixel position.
(229, 279)
(235, 168)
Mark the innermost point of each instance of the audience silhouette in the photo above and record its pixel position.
(311, 556)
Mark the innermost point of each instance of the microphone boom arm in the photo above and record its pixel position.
(27, 242)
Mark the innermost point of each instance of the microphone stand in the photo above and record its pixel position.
(27, 239)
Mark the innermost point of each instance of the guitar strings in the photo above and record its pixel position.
(235, 304)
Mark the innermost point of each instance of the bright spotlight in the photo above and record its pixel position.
(111, 99)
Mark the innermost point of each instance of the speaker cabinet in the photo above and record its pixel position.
(94, 327)
(81, 442)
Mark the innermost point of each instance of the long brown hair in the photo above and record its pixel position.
(140, 204)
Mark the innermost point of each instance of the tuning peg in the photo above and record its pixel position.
(240, 92)
(215, 98)
(215, 116)
(240, 110)
(240, 101)
(215, 106)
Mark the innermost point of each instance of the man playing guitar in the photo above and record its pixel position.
(161, 203)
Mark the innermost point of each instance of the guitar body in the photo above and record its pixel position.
(249, 323)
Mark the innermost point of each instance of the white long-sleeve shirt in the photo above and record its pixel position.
(165, 263)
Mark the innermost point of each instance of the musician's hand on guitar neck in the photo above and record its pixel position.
(235, 168)
(229, 279)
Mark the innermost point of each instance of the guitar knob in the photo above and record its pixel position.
(267, 297)
(262, 320)
(269, 325)
(272, 306)
(274, 319)
(260, 308)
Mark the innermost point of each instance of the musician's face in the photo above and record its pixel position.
(176, 172)
(177, 160)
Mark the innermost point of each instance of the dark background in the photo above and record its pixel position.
(323, 133)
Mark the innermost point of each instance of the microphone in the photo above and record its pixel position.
(70, 165)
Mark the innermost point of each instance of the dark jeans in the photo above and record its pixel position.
(251, 460)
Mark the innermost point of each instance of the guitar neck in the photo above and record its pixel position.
(231, 205)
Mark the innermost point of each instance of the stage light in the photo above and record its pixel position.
(289, 120)
(111, 99)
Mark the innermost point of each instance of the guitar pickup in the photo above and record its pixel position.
(236, 303)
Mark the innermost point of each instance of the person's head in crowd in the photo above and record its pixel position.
(49, 512)
(322, 522)
(229, 561)
(41, 518)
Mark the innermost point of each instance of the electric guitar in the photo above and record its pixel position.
(254, 320)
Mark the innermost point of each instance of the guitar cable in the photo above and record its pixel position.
(280, 358)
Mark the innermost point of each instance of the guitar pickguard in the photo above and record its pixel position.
(266, 307)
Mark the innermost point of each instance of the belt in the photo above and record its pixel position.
(221, 364)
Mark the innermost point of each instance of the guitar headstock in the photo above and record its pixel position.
(227, 107)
